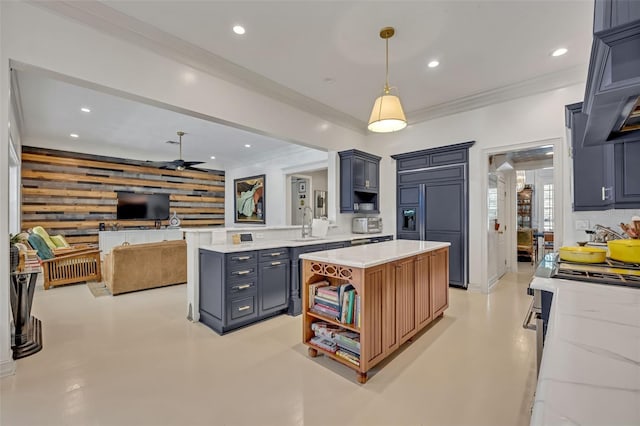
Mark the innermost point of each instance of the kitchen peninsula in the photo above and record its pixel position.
(394, 289)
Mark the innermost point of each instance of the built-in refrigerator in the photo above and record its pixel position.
(436, 210)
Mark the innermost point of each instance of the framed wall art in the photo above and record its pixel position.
(249, 199)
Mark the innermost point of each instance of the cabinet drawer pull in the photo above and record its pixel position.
(275, 263)
(243, 286)
(603, 194)
(244, 308)
(276, 254)
(243, 257)
(242, 272)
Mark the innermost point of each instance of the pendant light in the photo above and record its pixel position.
(387, 114)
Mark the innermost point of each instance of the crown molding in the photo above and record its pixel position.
(117, 24)
(540, 84)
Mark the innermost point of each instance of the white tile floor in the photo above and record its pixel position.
(135, 360)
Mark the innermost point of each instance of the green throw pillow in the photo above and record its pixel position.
(38, 243)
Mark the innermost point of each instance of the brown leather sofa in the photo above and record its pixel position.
(143, 266)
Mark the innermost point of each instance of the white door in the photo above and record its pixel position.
(501, 257)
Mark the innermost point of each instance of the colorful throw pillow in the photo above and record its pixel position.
(40, 231)
(38, 243)
(59, 241)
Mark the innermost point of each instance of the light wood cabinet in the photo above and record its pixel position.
(424, 311)
(439, 270)
(398, 299)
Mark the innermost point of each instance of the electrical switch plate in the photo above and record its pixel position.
(582, 224)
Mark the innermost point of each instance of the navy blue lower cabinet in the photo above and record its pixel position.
(237, 290)
(273, 287)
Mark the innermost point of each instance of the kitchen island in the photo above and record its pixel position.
(590, 371)
(393, 290)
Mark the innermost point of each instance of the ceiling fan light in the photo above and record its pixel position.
(387, 115)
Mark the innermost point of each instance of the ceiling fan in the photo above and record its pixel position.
(178, 164)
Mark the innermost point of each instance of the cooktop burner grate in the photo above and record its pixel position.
(616, 273)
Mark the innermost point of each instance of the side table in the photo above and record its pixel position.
(28, 329)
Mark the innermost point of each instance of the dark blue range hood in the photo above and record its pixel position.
(612, 97)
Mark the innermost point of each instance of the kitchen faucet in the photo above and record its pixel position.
(306, 232)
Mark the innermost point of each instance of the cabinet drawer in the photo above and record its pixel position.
(273, 254)
(237, 260)
(241, 287)
(242, 308)
(242, 271)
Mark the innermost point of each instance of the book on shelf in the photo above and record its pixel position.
(313, 288)
(329, 293)
(325, 329)
(350, 306)
(324, 310)
(324, 343)
(326, 302)
(348, 340)
(348, 356)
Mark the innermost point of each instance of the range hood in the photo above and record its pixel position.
(612, 97)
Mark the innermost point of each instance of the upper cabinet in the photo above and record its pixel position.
(612, 96)
(359, 182)
(604, 176)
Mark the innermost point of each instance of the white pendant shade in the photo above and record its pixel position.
(387, 115)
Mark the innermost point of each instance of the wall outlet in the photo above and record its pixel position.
(582, 224)
(259, 236)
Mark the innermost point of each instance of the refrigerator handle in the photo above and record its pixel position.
(422, 211)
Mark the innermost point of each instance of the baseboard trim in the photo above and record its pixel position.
(7, 368)
(475, 288)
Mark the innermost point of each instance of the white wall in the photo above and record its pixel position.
(276, 183)
(522, 122)
(610, 218)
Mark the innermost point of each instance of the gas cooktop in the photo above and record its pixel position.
(611, 272)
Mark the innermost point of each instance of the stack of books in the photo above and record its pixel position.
(31, 261)
(343, 343)
(340, 302)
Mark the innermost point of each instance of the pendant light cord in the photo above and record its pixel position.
(386, 82)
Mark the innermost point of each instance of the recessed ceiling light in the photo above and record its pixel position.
(238, 29)
(247, 145)
(74, 135)
(549, 153)
(213, 157)
(85, 109)
(559, 52)
(433, 64)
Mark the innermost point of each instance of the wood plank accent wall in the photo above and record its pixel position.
(71, 193)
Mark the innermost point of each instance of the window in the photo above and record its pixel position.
(548, 206)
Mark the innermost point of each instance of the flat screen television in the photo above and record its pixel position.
(142, 206)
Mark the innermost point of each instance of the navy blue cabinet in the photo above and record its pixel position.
(359, 181)
(604, 176)
(237, 289)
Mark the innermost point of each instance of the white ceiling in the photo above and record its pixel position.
(485, 48)
(482, 45)
(124, 128)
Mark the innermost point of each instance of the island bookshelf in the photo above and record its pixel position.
(397, 300)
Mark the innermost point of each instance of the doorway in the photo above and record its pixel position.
(307, 189)
(521, 202)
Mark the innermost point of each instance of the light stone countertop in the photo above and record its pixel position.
(590, 371)
(366, 256)
(269, 244)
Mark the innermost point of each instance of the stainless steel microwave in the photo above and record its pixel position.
(366, 225)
